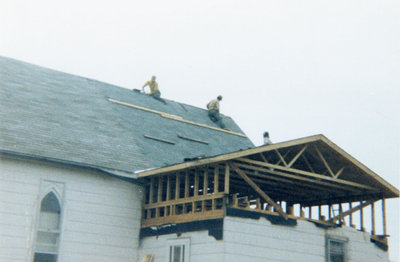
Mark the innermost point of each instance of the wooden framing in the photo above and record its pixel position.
(258, 190)
(301, 176)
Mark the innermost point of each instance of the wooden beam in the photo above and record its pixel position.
(151, 200)
(361, 219)
(338, 173)
(187, 184)
(373, 219)
(300, 178)
(168, 188)
(281, 158)
(308, 163)
(216, 178)
(175, 117)
(350, 211)
(205, 182)
(324, 161)
(258, 190)
(305, 173)
(160, 185)
(227, 174)
(297, 156)
(177, 186)
(384, 217)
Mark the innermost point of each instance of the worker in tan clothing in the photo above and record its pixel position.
(154, 91)
(213, 112)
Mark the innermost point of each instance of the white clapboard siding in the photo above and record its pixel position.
(101, 213)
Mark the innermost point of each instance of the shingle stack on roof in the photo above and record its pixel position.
(58, 116)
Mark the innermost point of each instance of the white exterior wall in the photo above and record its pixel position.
(259, 241)
(202, 247)
(101, 214)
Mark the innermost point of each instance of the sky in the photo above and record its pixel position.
(295, 68)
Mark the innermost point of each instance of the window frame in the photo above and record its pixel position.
(185, 242)
(338, 239)
(57, 189)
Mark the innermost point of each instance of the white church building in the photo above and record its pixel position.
(94, 172)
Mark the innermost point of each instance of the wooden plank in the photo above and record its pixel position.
(160, 186)
(351, 214)
(324, 161)
(229, 156)
(151, 200)
(175, 117)
(308, 164)
(184, 200)
(258, 190)
(227, 175)
(350, 211)
(308, 174)
(361, 218)
(148, 258)
(373, 219)
(293, 178)
(216, 178)
(281, 158)
(297, 156)
(205, 182)
(384, 217)
(168, 188)
(338, 173)
(187, 184)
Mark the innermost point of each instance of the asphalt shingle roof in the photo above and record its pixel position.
(50, 114)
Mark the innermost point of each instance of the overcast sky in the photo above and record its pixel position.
(293, 67)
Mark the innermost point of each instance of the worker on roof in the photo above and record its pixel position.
(213, 112)
(154, 91)
(267, 141)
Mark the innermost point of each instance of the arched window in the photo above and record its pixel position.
(48, 231)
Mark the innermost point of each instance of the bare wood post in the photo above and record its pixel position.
(310, 212)
(373, 219)
(330, 210)
(205, 182)
(168, 188)
(384, 217)
(361, 218)
(227, 174)
(216, 178)
(351, 215)
(177, 186)
(196, 183)
(341, 211)
(151, 200)
(159, 193)
(187, 184)
(319, 212)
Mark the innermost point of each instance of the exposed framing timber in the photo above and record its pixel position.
(350, 211)
(227, 177)
(307, 163)
(324, 161)
(338, 173)
(281, 157)
(306, 173)
(299, 178)
(258, 190)
(297, 156)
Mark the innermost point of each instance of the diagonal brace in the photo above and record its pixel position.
(297, 156)
(350, 211)
(269, 200)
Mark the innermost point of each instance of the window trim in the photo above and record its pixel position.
(339, 239)
(178, 242)
(47, 187)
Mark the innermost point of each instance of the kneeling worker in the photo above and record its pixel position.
(213, 112)
(154, 91)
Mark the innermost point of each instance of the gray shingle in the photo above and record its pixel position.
(47, 113)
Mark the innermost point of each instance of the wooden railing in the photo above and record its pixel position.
(183, 210)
